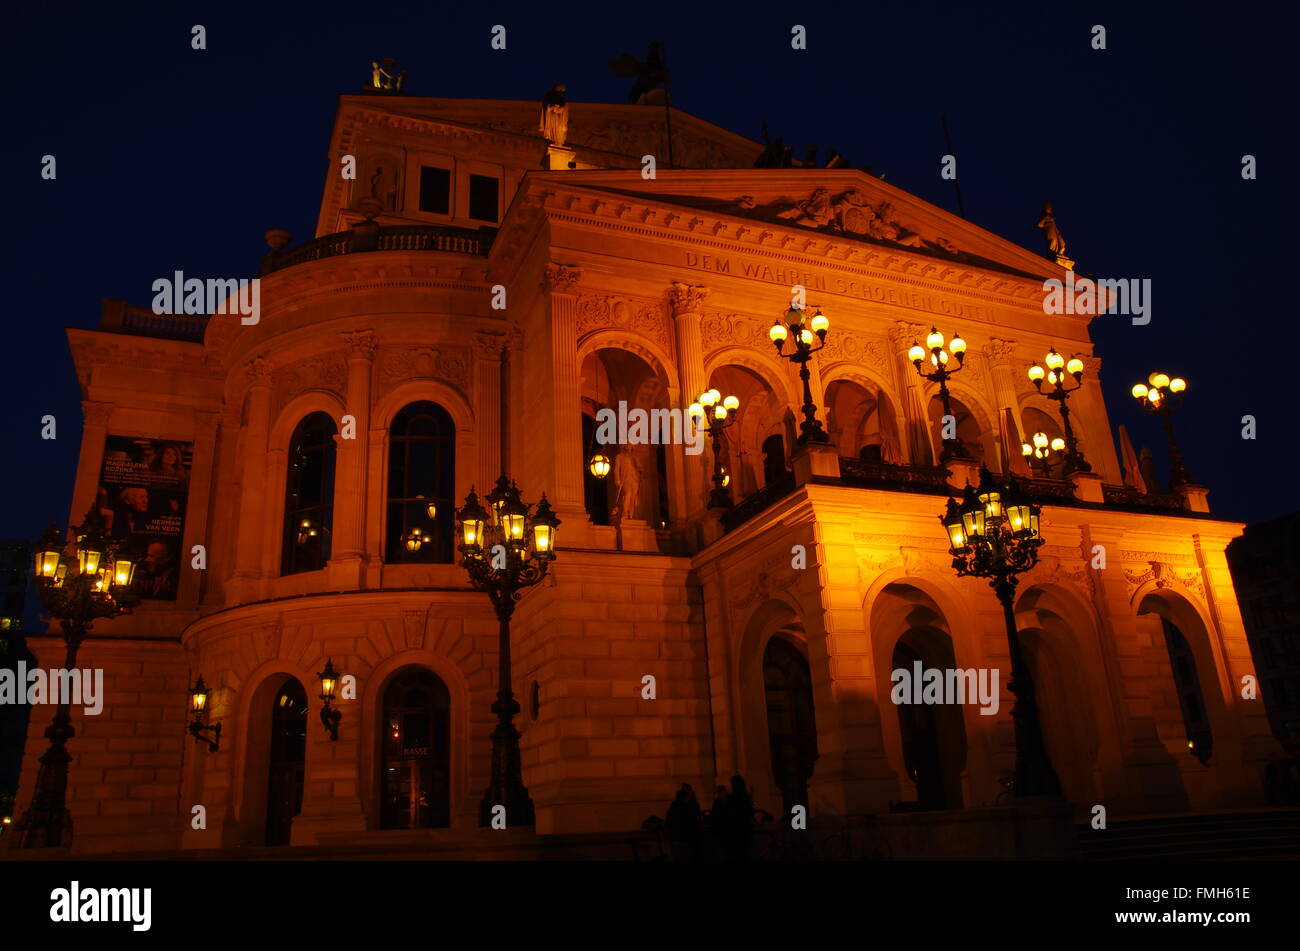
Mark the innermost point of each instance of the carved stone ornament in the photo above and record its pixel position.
(1164, 576)
(687, 299)
(560, 278)
(606, 313)
(360, 344)
(905, 333)
(1001, 352)
(258, 372)
(324, 372)
(449, 364)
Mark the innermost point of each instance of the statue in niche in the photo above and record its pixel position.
(554, 124)
(627, 475)
(383, 186)
(1051, 233)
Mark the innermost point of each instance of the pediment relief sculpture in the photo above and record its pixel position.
(850, 212)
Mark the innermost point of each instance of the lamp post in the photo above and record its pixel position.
(79, 583)
(1074, 461)
(506, 550)
(810, 430)
(1043, 453)
(952, 448)
(712, 410)
(1160, 398)
(993, 534)
(198, 708)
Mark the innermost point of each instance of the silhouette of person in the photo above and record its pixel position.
(738, 826)
(683, 826)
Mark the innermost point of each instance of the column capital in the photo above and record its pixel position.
(686, 298)
(96, 414)
(360, 344)
(1000, 352)
(560, 278)
(904, 333)
(488, 344)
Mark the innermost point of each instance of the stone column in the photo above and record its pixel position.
(487, 355)
(566, 489)
(688, 304)
(347, 551)
(916, 423)
(94, 432)
(1001, 355)
(252, 492)
(198, 505)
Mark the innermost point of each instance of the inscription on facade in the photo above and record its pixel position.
(846, 287)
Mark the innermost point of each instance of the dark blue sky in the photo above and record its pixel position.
(170, 158)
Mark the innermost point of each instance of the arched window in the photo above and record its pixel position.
(309, 496)
(415, 780)
(1196, 719)
(421, 473)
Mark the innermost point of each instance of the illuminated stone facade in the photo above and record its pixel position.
(648, 290)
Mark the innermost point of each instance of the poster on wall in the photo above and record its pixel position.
(143, 490)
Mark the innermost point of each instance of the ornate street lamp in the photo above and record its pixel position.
(79, 583)
(599, 465)
(1043, 453)
(198, 708)
(505, 551)
(993, 534)
(934, 345)
(713, 412)
(810, 430)
(1057, 368)
(1160, 398)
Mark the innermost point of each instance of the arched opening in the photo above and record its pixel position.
(791, 721)
(862, 423)
(930, 746)
(288, 754)
(309, 495)
(617, 388)
(421, 478)
(969, 430)
(415, 768)
(1184, 709)
(754, 447)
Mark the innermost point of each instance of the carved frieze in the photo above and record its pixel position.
(449, 364)
(617, 313)
(325, 372)
(733, 330)
(855, 348)
(1164, 575)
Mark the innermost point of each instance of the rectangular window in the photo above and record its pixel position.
(435, 190)
(483, 200)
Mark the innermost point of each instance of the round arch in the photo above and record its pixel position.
(767, 368)
(654, 356)
(462, 788)
(252, 748)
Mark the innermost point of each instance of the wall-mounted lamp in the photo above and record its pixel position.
(198, 708)
(329, 682)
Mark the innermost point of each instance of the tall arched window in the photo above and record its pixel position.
(1196, 718)
(421, 473)
(309, 496)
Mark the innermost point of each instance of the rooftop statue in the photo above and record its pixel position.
(649, 76)
(554, 124)
(1051, 233)
(383, 79)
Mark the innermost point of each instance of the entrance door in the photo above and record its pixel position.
(920, 733)
(791, 724)
(288, 752)
(415, 784)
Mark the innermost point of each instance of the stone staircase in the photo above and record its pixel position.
(1251, 834)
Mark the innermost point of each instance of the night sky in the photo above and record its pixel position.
(175, 159)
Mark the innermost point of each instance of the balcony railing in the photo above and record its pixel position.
(775, 490)
(383, 238)
(119, 317)
(887, 475)
(1124, 497)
